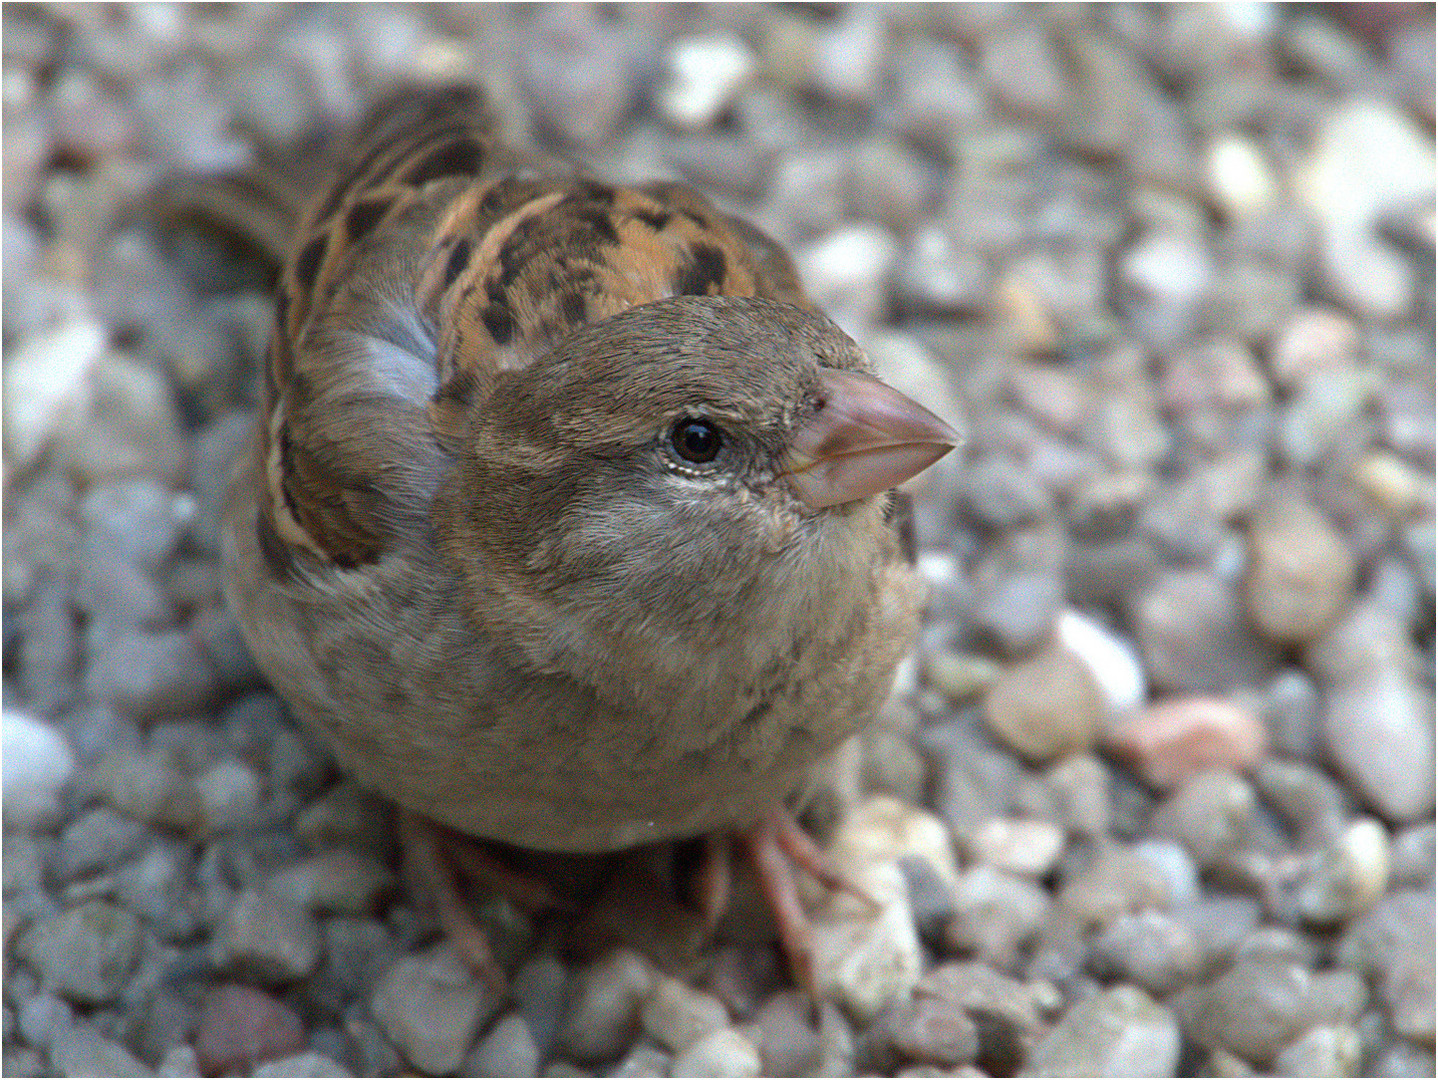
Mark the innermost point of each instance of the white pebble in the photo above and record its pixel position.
(704, 75)
(40, 376)
(37, 762)
(1114, 662)
(1239, 178)
(724, 1053)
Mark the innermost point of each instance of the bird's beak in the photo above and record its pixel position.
(864, 438)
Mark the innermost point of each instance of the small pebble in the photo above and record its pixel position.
(603, 1012)
(1150, 949)
(1210, 815)
(1030, 848)
(1117, 881)
(268, 938)
(1017, 612)
(1046, 707)
(1314, 340)
(1163, 281)
(1009, 1014)
(38, 761)
(307, 1063)
(788, 1041)
(1173, 740)
(1079, 790)
(1240, 181)
(148, 787)
(1394, 942)
(539, 989)
(240, 1027)
(1112, 659)
(342, 881)
(720, 1053)
(83, 1051)
(1195, 638)
(229, 794)
(1413, 855)
(932, 1030)
(1326, 1050)
(86, 953)
(507, 1050)
(677, 1016)
(1348, 876)
(1380, 731)
(704, 75)
(43, 1018)
(866, 961)
(1119, 1032)
(995, 914)
(431, 1005)
(1300, 572)
(1257, 1008)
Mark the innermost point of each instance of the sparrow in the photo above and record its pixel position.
(565, 520)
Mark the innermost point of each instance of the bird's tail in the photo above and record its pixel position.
(256, 209)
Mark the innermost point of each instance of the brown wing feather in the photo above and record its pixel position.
(436, 256)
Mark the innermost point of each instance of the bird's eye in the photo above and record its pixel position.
(696, 439)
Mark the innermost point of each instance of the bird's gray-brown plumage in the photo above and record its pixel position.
(471, 547)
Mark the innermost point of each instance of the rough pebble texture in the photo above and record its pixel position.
(1155, 793)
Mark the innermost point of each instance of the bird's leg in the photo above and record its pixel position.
(439, 856)
(776, 846)
(711, 883)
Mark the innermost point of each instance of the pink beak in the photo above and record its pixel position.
(865, 438)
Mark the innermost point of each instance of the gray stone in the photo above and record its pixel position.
(995, 913)
(431, 1005)
(644, 1059)
(43, 1018)
(308, 1063)
(574, 68)
(1210, 815)
(1119, 1032)
(788, 1041)
(149, 787)
(1379, 731)
(603, 1013)
(1394, 941)
(1326, 1050)
(1018, 611)
(1118, 880)
(1151, 949)
(720, 1053)
(160, 887)
(1257, 1008)
(98, 840)
(677, 1016)
(86, 953)
(539, 989)
(151, 675)
(341, 880)
(83, 1051)
(506, 1050)
(1195, 638)
(267, 938)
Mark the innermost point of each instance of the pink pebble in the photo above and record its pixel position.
(1176, 738)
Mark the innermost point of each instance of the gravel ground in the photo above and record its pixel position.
(1155, 794)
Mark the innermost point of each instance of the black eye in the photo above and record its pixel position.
(696, 439)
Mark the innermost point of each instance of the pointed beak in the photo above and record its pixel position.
(865, 438)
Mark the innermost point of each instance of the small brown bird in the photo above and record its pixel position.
(565, 524)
